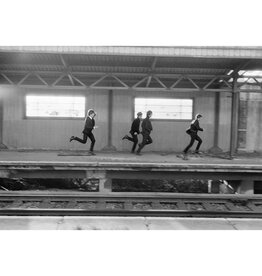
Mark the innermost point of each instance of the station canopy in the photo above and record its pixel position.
(137, 68)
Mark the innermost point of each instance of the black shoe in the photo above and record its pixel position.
(196, 152)
(91, 153)
(183, 156)
(139, 153)
(72, 138)
(125, 137)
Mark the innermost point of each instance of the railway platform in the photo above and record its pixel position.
(106, 166)
(126, 223)
(124, 157)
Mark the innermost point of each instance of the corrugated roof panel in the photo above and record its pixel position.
(197, 63)
(27, 67)
(108, 60)
(109, 69)
(190, 51)
(50, 66)
(201, 71)
(29, 58)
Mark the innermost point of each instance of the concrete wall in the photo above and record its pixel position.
(19, 132)
(166, 135)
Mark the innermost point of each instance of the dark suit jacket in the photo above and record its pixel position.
(89, 125)
(195, 127)
(146, 126)
(135, 126)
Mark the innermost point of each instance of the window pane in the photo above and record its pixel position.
(170, 109)
(55, 106)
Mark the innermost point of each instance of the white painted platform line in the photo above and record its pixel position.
(127, 223)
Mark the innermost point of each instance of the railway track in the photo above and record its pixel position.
(130, 204)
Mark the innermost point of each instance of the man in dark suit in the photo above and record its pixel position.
(87, 132)
(146, 130)
(192, 131)
(134, 131)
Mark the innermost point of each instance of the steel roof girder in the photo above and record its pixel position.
(11, 82)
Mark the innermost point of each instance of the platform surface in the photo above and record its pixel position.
(127, 223)
(53, 157)
(51, 164)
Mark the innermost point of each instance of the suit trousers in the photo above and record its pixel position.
(84, 140)
(133, 139)
(146, 141)
(194, 137)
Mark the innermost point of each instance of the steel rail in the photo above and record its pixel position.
(124, 204)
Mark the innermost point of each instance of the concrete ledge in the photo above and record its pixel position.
(112, 165)
(127, 223)
(118, 165)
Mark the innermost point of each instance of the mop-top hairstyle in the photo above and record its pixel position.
(149, 112)
(139, 114)
(198, 116)
(90, 112)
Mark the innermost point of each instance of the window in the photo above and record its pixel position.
(55, 106)
(167, 109)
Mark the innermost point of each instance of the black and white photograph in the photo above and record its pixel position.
(165, 133)
(145, 132)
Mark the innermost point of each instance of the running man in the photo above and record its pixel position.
(146, 130)
(87, 132)
(192, 131)
(134, 131)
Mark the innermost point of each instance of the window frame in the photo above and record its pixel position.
(166, 97)
(25, 117)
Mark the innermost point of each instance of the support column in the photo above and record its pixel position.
(109, 146)
(2, 146)
(216, 149)
(105, 183)
(234, 118)
(246, 187)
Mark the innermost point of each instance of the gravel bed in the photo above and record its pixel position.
(142, 206)
(85, 205)
(115, 205)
